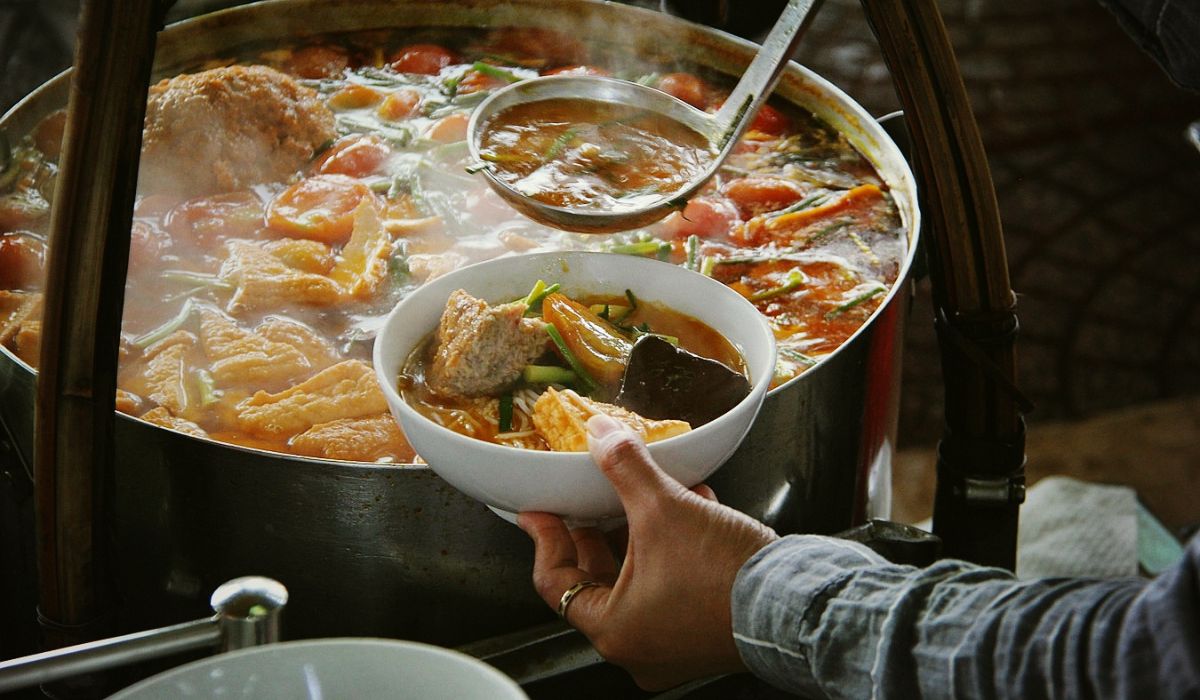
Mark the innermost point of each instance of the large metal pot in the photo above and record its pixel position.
(392, 550)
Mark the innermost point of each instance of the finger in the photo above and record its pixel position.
(553, 547)
(594, 554)
(705, 491)
(624, 459)
(586, 608)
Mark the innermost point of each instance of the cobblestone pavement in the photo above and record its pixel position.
(1097, 190)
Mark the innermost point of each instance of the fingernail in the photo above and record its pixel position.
(600, 425)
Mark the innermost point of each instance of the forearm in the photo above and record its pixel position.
(828, 618)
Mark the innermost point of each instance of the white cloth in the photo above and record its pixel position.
(1078, 528)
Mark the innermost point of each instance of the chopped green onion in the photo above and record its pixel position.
(826, 232)
(478, 168)
(651, 247)
(794, 279)
(209, 394)
(856, 301)
(589, 385)
(649, 79)
(548, 374)
(506, 413)
(538, 288)
(693, 250)
(808, 202)
(147, 339)
(533, 302)
(199, 278)
(494, 72)
(797, 356)
(564, 139)
(707, 263)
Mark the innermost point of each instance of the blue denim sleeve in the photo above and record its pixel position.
(827, 618)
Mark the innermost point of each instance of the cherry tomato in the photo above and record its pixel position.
(706, 217)
(535, 42)
(354, 97)
(686, 87)
(146, 244)
(474, 81)
(770, 121)
(318, 61)
(356, 155)
(207, 220)
(321, 208)
(22, 261)
(757, 195)
(399, 105)
(426, 59)
(452, 127)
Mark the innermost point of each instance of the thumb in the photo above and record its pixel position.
(622, 455)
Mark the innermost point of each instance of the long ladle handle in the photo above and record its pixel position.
(764, 71)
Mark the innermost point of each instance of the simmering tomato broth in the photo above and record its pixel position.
(257, 279)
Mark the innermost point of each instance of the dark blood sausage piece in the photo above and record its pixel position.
(665, 382)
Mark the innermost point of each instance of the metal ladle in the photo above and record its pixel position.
(722, 129)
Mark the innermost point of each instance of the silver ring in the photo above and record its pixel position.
(570, 594)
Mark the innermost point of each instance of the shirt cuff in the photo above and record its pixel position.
(772, 596)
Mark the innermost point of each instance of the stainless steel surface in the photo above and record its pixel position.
(536, 653)
(722, 129)
(238, 623)
(248, 611)
(379, 550)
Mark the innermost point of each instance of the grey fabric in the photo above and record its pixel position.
(827, 618)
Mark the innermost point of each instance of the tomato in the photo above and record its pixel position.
(452, 127)
(22, 261)
(757, 195)
(770, 121)
(686, 87)
(706, 217)
(356, 155)
(207, 220)
(400, 104)
(474, 81)
(548, 44)
(317, 61)
(578, 70)
(354, 97)
(426, 59)
(146, 245)
(321, 208)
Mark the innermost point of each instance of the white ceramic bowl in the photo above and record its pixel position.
(331, 669)
(511, 479)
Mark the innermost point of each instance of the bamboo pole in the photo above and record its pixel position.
(981, 455)
(88, 255)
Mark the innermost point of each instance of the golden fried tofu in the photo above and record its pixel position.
(561, 419)
(128, 402)
(166, 371)
(28, 342)
(315, 347)
(481, 348)
(363, 265)
(17, 309)
(162, 417)
(345, 390)
(364, 439)
(243, 357)
(263, 280)
(303, 254)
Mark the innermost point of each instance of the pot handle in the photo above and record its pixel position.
(981, 456)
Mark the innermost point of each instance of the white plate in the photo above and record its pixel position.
(332, 669)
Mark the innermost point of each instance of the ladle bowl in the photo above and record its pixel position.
(722, 129)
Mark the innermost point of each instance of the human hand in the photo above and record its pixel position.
(664, 615)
